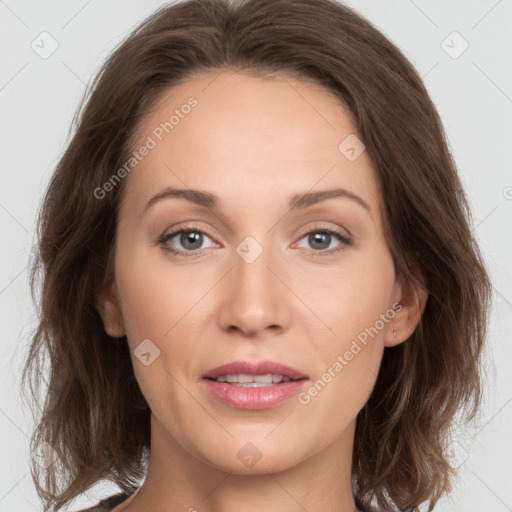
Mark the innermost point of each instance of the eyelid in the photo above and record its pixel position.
(320, 226)
(186, 226)
(175, 230)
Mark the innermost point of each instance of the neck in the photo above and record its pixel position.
(182, 481)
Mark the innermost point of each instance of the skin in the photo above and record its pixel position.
(253, 142)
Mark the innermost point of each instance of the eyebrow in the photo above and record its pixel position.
(297, 202)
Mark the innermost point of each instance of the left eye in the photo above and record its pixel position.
(320, 240)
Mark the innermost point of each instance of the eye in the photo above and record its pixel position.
(321, 239)
(186, 241)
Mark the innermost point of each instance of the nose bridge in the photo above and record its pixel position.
(254, 280)
(255, 298)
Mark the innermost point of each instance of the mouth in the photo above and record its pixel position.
(253, 381)
(248, 385)
(248, 372)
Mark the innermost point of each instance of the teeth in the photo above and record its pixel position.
(258, 380)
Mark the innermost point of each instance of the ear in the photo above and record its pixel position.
(107, 305)
(412, 300)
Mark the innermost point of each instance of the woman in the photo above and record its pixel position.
(260, 285)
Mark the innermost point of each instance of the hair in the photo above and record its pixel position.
(94, 415)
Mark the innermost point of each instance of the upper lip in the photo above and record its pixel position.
(254, 368)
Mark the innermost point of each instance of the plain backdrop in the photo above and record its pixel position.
(467, 73)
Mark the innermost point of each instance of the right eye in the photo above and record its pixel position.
(190, 238)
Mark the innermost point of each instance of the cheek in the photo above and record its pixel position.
(154, 295)
(143, 305)
(352, 296)
(353, 303)
(154, 309)
(160, 303)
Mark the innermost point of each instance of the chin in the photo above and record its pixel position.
(246, 457)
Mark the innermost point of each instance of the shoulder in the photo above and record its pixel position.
(108, 504)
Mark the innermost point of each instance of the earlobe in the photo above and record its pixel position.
(413, 302)
(107, 305)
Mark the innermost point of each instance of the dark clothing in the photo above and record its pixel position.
(108, 504)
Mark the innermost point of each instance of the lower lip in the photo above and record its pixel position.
(265, 397)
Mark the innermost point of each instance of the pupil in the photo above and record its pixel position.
(189, 237)
(322, 238)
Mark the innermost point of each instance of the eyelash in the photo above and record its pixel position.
(163, 241)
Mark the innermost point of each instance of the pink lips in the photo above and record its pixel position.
(263, 397)
(259, 368)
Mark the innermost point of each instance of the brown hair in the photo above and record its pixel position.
(94, 415)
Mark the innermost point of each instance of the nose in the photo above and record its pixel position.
(254, 298)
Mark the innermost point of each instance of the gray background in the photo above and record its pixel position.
(473, 93)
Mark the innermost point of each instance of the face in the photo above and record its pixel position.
(252, 274)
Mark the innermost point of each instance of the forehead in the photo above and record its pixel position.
(246, 135)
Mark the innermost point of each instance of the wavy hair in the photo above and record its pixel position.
(93, 414)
